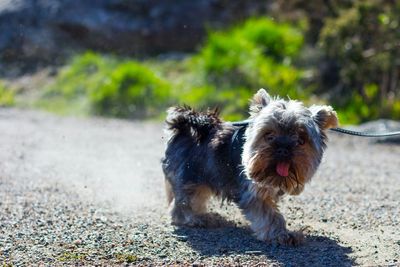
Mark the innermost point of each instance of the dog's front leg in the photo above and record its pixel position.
(266, 221)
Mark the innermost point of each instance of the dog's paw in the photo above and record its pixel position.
(289, 239)
(206, 220)
(190, 221)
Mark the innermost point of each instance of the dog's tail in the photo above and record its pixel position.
(187, 120)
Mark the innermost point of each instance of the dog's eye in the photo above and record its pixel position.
(301, 141)
(269, 136)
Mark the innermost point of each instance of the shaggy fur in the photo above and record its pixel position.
(281, 135)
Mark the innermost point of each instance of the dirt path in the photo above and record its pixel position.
(90, 192)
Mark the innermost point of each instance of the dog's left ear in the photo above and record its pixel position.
(324, 116)
(260, 100)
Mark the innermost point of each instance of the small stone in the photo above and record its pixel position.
(253, 252)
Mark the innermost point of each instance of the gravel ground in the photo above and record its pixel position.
(90, 192)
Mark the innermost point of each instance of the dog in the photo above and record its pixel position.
(253, 164)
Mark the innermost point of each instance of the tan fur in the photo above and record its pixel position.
(332, 119)
(257, 166)
(327, 116)
(168, 191)
(190, 212)
(259, 101)
(199, 199)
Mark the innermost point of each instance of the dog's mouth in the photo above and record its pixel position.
(282, 168)
(282, 175)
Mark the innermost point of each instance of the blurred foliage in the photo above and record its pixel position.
(103, 85)
(257, 54)
(7, 96)
(365, 41)
(236, 62)
(131, 90)
(354, 44)
(346, 51)
(228, 69)
(313, 13)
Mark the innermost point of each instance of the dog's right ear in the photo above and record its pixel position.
(260, 100)
(324, 116)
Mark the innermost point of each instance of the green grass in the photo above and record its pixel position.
(126, 257)
(7, 97)
(71, 256)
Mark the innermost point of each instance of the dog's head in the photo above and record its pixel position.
(285, 141)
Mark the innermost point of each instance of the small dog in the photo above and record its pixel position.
(253, 165)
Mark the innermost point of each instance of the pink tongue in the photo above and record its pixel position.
(282, 168)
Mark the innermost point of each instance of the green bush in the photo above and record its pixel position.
(277, 40)
(7, 97)
(258, 53)
(131, 91)
(68, 94)
(102, 85)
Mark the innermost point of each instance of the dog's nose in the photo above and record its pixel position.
(282, 152)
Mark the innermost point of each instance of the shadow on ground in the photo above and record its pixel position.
(233, 240)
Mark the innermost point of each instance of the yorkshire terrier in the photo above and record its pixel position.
(275, 152)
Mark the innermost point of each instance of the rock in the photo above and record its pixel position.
(47, 30)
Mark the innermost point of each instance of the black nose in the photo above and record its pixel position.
(282, 152)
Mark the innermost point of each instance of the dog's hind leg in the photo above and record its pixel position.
(189, 205)
(168, 191)
(199, 199)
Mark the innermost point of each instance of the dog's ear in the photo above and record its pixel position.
(324, 116)
(260, 100)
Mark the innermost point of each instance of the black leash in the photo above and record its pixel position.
(339, 130)
(364, 134)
